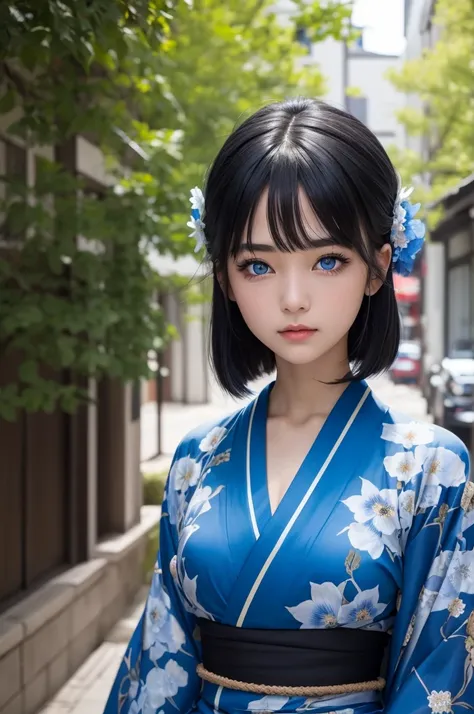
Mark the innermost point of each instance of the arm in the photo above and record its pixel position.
(158, 671)
(432, 657)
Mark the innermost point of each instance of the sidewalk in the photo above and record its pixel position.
(86, 692)
(178, 420)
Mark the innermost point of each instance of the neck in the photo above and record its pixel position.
(303, 391)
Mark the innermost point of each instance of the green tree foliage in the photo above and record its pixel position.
(443, 81)
(157, 84)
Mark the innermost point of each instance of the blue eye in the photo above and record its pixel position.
(257, 268)
(328, 263)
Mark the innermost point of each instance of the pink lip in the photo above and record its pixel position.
(297, 333)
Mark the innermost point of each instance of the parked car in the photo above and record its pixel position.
(453, 387)
(407, 365)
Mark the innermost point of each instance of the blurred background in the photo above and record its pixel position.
(110, 111)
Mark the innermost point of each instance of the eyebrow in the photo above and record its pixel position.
(269, 248)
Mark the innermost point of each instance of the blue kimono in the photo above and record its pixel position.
(375, 531)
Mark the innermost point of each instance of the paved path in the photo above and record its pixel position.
(87, 691)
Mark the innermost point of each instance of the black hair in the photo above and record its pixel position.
(351, 185)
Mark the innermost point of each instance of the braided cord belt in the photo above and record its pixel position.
(373, 686)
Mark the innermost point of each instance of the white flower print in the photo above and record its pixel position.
(406, 504)
(185, 473)
(325, 609)
(267, 704)
(322, 610)
(403, 466)
(137, 706)
(467, 504)
(411, 434)
(213, 439)
(441, 466)
(461, 572)
(191, 603)
(163, 683)
(365, 537)
(450, 575)
(429, 496)
(199, 504)
(162, 631)
(377, 507)
(456, 607)
(363, 609)
(440, 702)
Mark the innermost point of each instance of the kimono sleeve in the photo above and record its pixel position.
(432, 657)
(158, 671)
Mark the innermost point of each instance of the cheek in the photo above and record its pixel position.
(247, 299)
(343, 296)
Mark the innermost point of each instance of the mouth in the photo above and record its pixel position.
(297, 333)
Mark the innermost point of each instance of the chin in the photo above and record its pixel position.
(300, 354)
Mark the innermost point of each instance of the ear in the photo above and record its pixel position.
(226, 290)
(383, 258)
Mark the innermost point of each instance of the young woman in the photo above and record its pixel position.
(316, 549)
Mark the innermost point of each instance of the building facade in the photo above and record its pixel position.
(72, 527)
(421, 34)
(348, 67)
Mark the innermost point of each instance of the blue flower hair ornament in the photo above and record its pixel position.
(408, 233)
(196, 223)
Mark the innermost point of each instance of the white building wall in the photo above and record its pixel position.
(349, 67)
(174, 316)
(369, 74)
(329, 56)
(418, 36)
(434, 301)
(196, 362)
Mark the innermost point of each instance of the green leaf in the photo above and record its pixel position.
(66, 351)
(9, 402)
(28, 372)
(8, 102)
(157, 88)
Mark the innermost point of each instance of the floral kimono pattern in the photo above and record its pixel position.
(375, 531)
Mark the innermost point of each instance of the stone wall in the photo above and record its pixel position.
(46, 637)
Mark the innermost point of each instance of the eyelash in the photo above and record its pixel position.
(244, 264)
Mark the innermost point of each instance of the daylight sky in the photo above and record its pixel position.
(383, 23)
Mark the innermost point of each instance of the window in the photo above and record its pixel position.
(357, 106)
(302, 38)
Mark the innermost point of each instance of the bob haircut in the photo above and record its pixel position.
(351, 185)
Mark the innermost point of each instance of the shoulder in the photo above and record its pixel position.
(205, 446)
(209, 442)
(208, 436)
(408, 433)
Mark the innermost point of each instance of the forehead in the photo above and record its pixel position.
(269, 215)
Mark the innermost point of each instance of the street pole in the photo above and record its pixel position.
(159, 402)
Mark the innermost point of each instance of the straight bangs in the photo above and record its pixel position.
(282, 175)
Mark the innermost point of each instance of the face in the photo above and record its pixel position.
(302, 304)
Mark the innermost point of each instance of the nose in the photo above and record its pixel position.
(295, 294)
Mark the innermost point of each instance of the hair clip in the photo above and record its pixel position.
(408, 233)
(196, 223)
